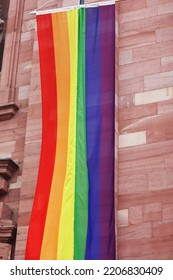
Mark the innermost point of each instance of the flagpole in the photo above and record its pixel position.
(95, 4)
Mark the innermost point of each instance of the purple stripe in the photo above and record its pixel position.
(93, 131)
(107, 54)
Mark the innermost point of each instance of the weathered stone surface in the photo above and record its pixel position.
(145, 105)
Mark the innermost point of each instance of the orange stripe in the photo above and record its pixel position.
(62, 62)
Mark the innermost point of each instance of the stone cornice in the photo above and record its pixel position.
(7, 231)
(7, 111)
(7, 168)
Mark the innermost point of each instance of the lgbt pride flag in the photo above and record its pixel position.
(73, 209)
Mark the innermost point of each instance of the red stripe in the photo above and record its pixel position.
(49, 126)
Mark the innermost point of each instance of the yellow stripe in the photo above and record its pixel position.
(62, 62)
(66, 230)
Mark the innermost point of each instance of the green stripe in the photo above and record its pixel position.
(81, 183)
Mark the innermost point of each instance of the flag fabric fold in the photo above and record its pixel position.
(73, 209)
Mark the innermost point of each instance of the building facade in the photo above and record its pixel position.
(143, 130)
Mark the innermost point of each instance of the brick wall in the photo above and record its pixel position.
(145, 185)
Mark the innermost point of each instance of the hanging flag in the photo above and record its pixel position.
(73, 209)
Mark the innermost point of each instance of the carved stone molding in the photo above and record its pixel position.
(5, 251)
(7, 111)
(7, 168)
(7, 231)
(5, 212)
(7, 227)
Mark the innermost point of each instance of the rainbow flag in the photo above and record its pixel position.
(73, 209)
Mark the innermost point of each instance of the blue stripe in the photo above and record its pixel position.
(93, 130)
